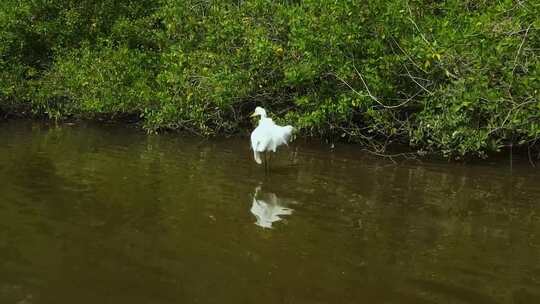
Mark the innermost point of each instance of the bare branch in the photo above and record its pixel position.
(408, 56)
(514, 108)
(369, 92)
(520, 47)
(416, 26)
(391, 157)
(414, 80)
(375, 98)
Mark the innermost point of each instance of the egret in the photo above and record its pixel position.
(268, 136)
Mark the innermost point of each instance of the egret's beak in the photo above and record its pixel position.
(253, 115)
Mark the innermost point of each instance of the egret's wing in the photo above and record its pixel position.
(261, 137)
(287, 133)
(255, 142)
(255, 136)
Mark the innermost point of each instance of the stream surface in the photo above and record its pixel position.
(107, 214)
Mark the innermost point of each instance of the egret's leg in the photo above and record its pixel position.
(291, 153)
(265, 163)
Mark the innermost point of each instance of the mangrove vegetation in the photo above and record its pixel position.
(456, 77)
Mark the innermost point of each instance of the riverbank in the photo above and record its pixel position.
(394, 153)
(454, 78)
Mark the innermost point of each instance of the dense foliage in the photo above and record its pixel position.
(457, 77)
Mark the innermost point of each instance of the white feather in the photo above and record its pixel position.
(268, 136)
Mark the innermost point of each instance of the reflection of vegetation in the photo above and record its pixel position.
(459, 77)
(91, 213)
(451, 223)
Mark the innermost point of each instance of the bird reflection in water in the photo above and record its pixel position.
(268, 208)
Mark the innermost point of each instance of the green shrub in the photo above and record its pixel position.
(453, 77)
(88, 82)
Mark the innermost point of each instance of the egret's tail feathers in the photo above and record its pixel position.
(257, 156)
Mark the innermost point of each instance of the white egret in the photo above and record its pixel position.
(268, 136)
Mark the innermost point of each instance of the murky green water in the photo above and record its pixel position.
(110, 215)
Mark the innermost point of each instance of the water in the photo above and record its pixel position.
(110, 215)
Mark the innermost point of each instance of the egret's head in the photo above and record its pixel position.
(259, 112)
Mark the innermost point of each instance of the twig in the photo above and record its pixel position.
(520, 47)
(415, 77)
(366, 86)
(369, 92)
(408, 56)
(516, 107)
(416, 26)
(392, 156)
(414, 80)
(373, 97)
